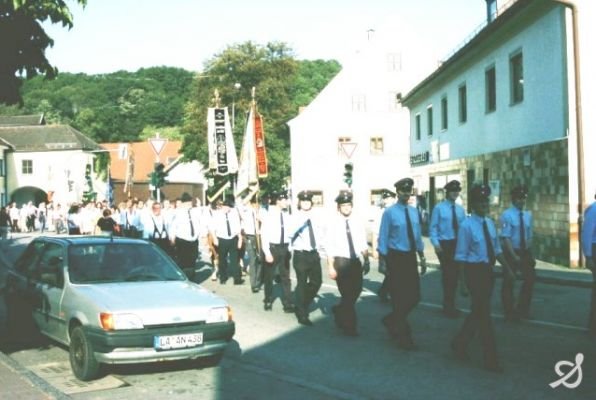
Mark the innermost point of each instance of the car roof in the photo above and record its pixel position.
(87, 240)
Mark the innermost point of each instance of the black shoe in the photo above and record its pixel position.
(239, 282)
(289, 309)
(451, 312)
(391, 329)
(303, 320)
(255, 290)
(268, 306)
(459, 351)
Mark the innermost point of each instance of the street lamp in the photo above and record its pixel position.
(237, 87)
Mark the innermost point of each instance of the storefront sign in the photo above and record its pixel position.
(420, 158)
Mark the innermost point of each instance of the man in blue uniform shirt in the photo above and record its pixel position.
(589, 248)
(476, 250)
(516, 234)
(400, 238)
(445, 220)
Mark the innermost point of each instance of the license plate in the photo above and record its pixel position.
(178, 341)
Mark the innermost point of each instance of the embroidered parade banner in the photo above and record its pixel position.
(222, 153)
(262, 168)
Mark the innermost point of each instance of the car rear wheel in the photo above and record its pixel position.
(82, 361)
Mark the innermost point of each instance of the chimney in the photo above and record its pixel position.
(491, 10)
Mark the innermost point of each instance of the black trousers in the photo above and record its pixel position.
(186, 253)
(228, 266)
(449, 273)
(281, 266)
(255, 271)
(480, 281)
(528, 272)
(349, 284)
(592, 316)
(164, 244)
(403, 281)
(307, 265)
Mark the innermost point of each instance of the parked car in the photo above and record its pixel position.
(117, 301)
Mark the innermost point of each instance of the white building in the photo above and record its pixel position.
(356, 118)
(506, 109)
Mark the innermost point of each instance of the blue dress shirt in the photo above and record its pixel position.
(471, 245)
(393, 233)
(441, 224)
(510, 226)
(589, 230)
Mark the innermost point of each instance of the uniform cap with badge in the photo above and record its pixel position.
(479, 192)
(404, 185)
(277, 195)
(305, 195)
(453, 186)
(344, 196)
(519, 192)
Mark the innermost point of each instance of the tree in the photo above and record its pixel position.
(23, 42)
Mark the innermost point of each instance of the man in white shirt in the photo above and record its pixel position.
(275, 235)
(347, 261)
(184, 235)
(156, 228)
(225, 230)
(251, 239)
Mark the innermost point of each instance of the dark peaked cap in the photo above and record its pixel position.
(519, 192)
(343, 197)
(405, 184)
(453, 186)
(479, 192)
(305, 195)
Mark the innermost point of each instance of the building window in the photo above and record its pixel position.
(444, 117)
(393, 62)
(490, 81)
(429, 120)
(516, 72)
(359, 102)
(376, 145)
(27, 166)
(418, 127)
(376, 197)
(463, 103)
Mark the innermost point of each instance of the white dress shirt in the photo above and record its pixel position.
(271, 228)
(219, 223)
(336, 243)
(181, 224)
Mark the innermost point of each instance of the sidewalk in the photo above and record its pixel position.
(16, 382)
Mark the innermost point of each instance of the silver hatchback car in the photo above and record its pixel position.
(117, 301)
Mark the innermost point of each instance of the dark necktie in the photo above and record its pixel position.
(192, 228)
(489, 244)
(522, 231)
(228, 226)
(454, 220)
(281, 223)
(411, 239)
(311, 235)
(350, 241)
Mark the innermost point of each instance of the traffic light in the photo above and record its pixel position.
(348, 169)
(160, 175)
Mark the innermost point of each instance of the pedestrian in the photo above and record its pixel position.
(477, 249)
(14, 217)
(130, 220)
(275, 235)
(251, 239)
(42, 213)
(156, 228)
(400, 238)
(184, 235)
(225, 229)
(445, 220)
(306, 241)
(4, 223)
(588, 239)
(516, 236)
(388, 199)
(106, 224)
(73, 220)
(347, 261)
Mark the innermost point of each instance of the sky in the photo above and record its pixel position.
(112, 35)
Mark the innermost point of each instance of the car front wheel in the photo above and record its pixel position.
(82, 361)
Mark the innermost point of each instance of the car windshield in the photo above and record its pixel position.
(120, 262)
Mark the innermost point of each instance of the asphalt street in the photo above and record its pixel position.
(272, 356)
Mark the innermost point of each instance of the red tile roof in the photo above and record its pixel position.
(144, 158)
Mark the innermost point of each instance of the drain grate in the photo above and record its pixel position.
(60, 376)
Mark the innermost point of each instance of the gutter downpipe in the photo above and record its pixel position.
(578, 121)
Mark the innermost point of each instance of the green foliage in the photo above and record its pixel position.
(23, 42)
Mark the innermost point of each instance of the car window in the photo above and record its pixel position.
(51, 260)
(120, 262)
(27, 263)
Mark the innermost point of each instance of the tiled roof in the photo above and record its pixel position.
(144, 158)
(46, 137)
(20, 120)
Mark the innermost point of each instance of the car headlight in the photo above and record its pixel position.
(219, 314)
(110, 322)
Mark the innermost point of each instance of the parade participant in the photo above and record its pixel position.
(156, 228)
(388, 199)
(184, 235)
(347, 261)
(400, 238)
(106, 224)
(445, 220)
(589, 247)
(477, 249)
(250, 232)
(14, 217)
(516, 235)
(130, 220)
(275, 235)
(306, 259)
(225, 230)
